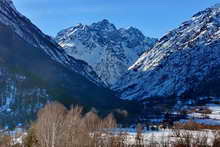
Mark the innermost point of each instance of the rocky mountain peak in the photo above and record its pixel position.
(104, 25)
(110, 51)
(134, 30)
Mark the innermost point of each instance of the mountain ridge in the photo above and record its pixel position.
(110, 51)
(178, 62)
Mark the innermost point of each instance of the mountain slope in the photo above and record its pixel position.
(108, 50)
(179, 62)
(30, 33)
(35, 70)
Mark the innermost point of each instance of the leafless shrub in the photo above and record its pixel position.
(176, 131)
(200, 139)
(189, 134)
(139, 137)
(188, 139)
(153, 142)
(184, 140)
(30, 140)
(165, 141)
(216, 140)
(5, 140)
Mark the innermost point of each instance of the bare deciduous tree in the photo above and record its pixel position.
(50, 124)
(58, 127)
(139, 136)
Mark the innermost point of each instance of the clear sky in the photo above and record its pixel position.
(153, 17)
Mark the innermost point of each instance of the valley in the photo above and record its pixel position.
(98, 69)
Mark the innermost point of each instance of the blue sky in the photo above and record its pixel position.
(153, 17)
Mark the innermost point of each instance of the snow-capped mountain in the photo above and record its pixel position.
(179, 62)
(108, 50)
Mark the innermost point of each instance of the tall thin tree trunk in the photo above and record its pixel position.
(53, 136)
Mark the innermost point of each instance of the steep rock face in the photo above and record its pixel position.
(180, 61)
(108, 50)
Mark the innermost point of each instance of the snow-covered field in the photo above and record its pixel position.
(157, 138)
(212, 118)
(169, 137)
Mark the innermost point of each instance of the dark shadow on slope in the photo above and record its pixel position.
(62, 84)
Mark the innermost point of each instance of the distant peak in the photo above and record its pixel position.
(104, 25)
(79, 25)
(216, 6)
(133, 29)
(9, 2)
(105, 21)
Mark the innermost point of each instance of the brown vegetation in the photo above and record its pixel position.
(196, 135)
(191, 125)
(57, 126)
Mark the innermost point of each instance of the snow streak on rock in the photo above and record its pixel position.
(179, 61)
(108, 50)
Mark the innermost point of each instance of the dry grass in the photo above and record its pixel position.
(191, 125)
